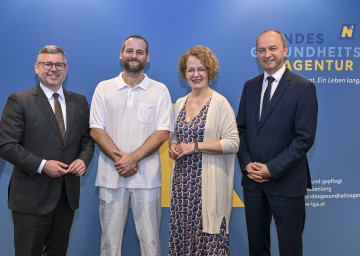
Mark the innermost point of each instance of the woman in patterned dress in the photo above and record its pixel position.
(203, 145)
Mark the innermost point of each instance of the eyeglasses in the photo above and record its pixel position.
(48, 65)
(201, 71)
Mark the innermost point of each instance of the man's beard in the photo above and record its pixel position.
(133, 69)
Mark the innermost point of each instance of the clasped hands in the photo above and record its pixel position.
(55, 168)
(258, 172)
(177, 151)
(126, 164)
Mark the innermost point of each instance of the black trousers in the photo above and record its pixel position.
(43, 234)
(289, 217)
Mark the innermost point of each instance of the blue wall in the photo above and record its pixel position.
(91, 32)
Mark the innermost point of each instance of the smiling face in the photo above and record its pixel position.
(271, 51)
(51, 78)
(196, 74)
(134, 55)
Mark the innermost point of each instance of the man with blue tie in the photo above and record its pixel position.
(277, 121)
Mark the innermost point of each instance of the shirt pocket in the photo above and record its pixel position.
(146, 112)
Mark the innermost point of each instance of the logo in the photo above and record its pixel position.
(347, 31)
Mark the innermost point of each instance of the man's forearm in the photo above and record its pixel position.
(104, 142)
(151, 144)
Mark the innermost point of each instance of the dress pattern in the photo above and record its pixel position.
(186, 236)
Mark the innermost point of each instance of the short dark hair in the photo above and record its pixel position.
(275, 31)
(138, 37)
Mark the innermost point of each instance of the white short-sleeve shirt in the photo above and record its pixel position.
(130, 116)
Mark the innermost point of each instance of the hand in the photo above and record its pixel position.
(130, 172)
(55, 168)
(258, 172)
(173, 154)
(77, 167)
(184, 149)
(127, 165)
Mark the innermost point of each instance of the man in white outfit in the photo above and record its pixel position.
(130, 118)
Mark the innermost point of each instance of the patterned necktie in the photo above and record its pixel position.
(267, 94)
(59, 115)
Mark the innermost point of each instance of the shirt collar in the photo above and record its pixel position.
(120, 83)
(49, 93)
(277, 75)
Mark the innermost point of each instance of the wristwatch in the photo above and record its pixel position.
(196, 149)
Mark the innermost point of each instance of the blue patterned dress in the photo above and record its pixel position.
(186, 236)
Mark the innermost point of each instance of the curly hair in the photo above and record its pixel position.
(206, 57)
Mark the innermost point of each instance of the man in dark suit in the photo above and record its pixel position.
(277, 128)
(46, 137)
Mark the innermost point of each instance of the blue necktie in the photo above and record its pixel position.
(267, 94)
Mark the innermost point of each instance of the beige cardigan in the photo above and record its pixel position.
(217, 170)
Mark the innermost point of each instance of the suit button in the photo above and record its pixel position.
(258, 136)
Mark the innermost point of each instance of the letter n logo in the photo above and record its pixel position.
(347, 31)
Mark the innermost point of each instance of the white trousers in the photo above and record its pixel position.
(146, 209)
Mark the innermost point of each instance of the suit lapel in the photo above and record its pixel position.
(258, 88)
(70, 112)
(42, 101)
(275, 99)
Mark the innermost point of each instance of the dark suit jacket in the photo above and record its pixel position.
(283, 136)
(28, 134)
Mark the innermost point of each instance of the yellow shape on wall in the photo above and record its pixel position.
(166, 163)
